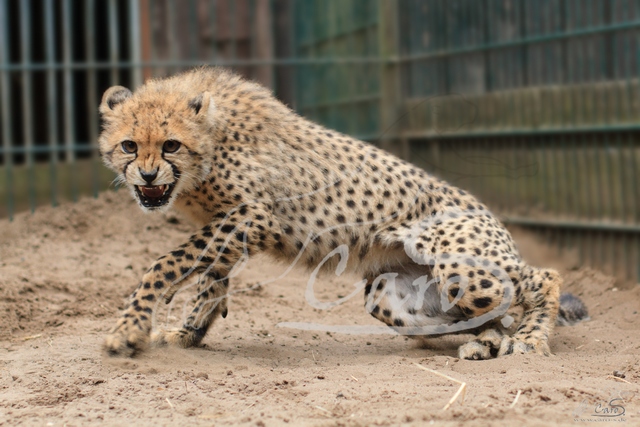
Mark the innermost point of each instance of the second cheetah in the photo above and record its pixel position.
(257, 177)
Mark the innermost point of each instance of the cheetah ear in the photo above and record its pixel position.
(203, 105)
(112, 97)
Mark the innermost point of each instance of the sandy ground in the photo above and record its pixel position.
(65, 273)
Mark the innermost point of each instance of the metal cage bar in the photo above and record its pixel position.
(5, 105)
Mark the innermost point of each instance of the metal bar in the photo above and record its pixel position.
(103, 65)
(637, 264)
(338, 34)
(598, 195)
(52, 110)
(524, 51)
(153, 13)
(135, 42)
(336, 107)
(623, 194)
(546, 183)
(313, 52)
(27, 98)
(234, 31)
(575, 168)
(573, 225)
(5, 107)
(42, 148)
(520, 132)
(349, 74)
(293, 50)
(193, 30)
(344, 101)
(145, 34)
(582, 158)
(212, 28)
(252, 36)
(114, 41)
(69, 91)
(603, 164)
(521, 42)
(634, 193)
(628, 256)
(562, 171)
(175, 52)
(92, 100)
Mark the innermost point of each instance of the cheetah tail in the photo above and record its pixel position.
(572, 310)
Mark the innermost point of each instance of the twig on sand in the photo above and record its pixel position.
(461, 391)
(324, 410)
(613, 377)
(516, 399)
(354, 378)
(169, 402)
(32, 337)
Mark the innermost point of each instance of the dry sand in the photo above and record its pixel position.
(65, 273)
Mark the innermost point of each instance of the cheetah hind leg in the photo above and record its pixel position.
(541, 302)
(211, 302)
(541, 294)
(400, 303)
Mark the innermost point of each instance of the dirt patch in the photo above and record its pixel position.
(65, 273)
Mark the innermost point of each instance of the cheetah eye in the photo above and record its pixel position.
(129, 147)
(171, 146)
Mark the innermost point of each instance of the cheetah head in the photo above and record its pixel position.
(153, 140)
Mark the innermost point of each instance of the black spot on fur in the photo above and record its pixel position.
(482, 302)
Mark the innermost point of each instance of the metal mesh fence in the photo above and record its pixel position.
(532, 105)
(541, 117)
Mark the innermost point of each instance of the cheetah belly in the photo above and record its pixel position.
(414, 298)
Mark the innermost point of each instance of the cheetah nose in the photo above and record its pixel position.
(149, 176)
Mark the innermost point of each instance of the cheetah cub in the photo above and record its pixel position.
(256, 177)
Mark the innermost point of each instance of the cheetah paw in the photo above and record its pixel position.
(164, 337)
(125, 342)
(474, 350)
(512, 345)
(177, 337)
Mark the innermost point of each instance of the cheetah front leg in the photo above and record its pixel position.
(211, 252)
(211, 302)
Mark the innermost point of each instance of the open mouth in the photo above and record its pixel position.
(154, 196)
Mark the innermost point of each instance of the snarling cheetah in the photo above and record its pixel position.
(258, 178)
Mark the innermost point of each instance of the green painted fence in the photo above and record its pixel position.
(532, 105)
(550, 136)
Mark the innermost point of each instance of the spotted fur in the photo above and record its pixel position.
(258, 178)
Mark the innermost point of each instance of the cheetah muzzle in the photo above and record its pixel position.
(154, 196)
(257, 178)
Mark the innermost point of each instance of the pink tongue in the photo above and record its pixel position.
(153, 192)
